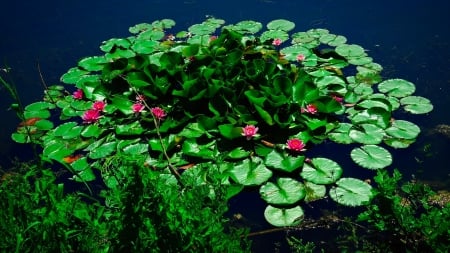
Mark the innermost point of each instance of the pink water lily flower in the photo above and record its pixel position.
(277, 42)
(98, 106)
(295, 144)
(310, 108)
(249, 131)
(158, 112)
(90, 116)
(301, 57)
(137, 107)
(78, 94)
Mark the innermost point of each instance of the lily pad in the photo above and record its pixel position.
(283, 217)
(281, 24)
(341, 134)
(403, 129)
(285, 163)
(250, 172)
(248, 26)
(416, 104)
(351, 51)
(321, 171)
(351, 192)
(367, 134)
(397, 87)
(94, 63)
(284, 192)
(314, 191)
(371, 157)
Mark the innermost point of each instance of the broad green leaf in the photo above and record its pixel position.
(403, 129)
(135, 149)
(38, 106)
(283, 162)
(238, 153)
(281, 24)
(283, 217)
(397, 87)
(86, 175)
(284, 191)
(64, 129)
(91, 131)
(250, 171)
(80, 164)
(44, 124)
(230, 131)
(131, 129)
(367, 134)
(416, 104)
(351, 192)
(341, 134)
(93, 63)
(103, 151)
(43, 114)
(371, 157)
(321, 171)
(314, 191)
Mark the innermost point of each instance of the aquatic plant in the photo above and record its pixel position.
(245, 104)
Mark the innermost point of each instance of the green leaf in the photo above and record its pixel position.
(281, 24)
(131, 129)
(43, 114)
(403, 129)
(284, 217)
(321, 171)
(397, 87)
(86, 175)
(264, 115)
(367, 134)
(91, 131)
(192, 130)
(284, 192)
(38, 106)
(80, 164)
(94, 63)
(314, 191)
(341, 134)
(285, 163)
(103, 151)
(416, 104)
(229, 131)
(350, 50)
(351, 192)
(44, 124)
(191, 148)
(250, 171)
(73, 75)
(238, 153)
(135, 149)
(371, 157)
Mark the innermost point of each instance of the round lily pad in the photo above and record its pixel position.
(403, 129)
(250, 172)
(341, 134)
(371, 157)
(367, 134)
(351, 192)
(202, 29)
(274, 34)
(281, 24)
(416, 104)
(283, 217)
(248, 26)
(321, 171)
(284, 192)
(399, 143)
(314, 191)
(397, 87)
(93, 63)
(353, 50)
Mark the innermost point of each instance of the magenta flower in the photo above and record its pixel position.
(137, 107)
(310, 108)
(78, 94)
(140, 98)
(338, 98)
(277, 42)
(158, 112)
(90, 116)
(300, 57)
(99, 106)
(249, 131)
(295, 144)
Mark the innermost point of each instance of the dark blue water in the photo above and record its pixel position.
(410, 39)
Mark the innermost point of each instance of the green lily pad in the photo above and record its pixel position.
(86, 175)
(43, 114)
(403, 129)
(281, 24)
(321, 171)
(399, 143)
(341, 134)
(73, 75)
(367, 134)
(284, 192)
(140, 28)
(283, 162)
(351, 192)
(202, 29)
(135, 149)
(91, 131)
(274, 34)
(250, 172)
(416, 104)
(314, 191)
(351, 51)
(247, 26)
(38, 106)
(283, 217)
(397, 87)
(142, 46)
(44, 124)
(80, 164)
(103, 151)
(94, 63)
(371, 157)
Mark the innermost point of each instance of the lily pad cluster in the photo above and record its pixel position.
(232, 102)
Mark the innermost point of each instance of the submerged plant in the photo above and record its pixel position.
(247, 104)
